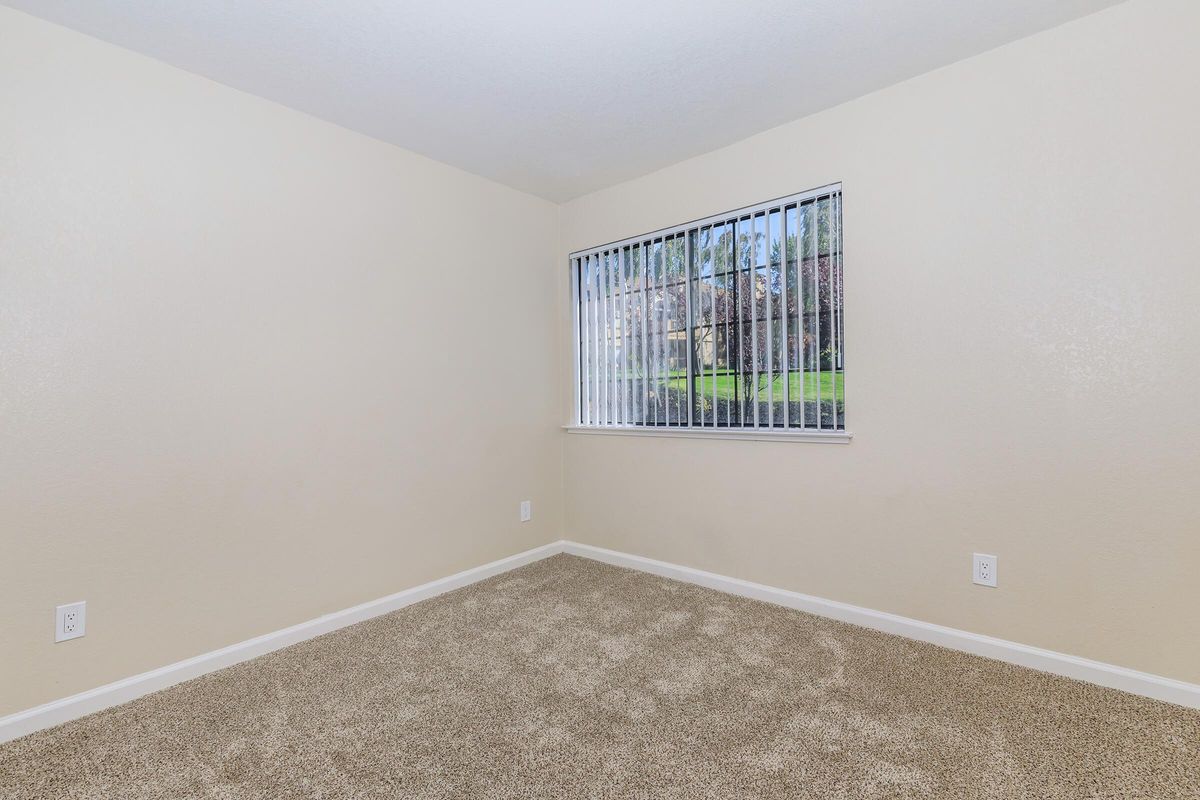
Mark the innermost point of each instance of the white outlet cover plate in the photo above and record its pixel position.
(526, 511)
(70, 621)
(983, 569)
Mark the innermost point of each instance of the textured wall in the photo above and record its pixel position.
(225, 401)
(225, 405)
(1022, 346)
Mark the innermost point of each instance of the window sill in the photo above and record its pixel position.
(749, 434)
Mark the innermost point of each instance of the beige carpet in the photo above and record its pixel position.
(572, 679)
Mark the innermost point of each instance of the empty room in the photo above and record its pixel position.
(600, 399)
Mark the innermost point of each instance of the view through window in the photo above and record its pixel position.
(731, 322)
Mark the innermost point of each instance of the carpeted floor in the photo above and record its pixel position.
(573, 679)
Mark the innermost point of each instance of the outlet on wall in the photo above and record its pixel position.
(983, 569)
(70, 621)
(526, 511)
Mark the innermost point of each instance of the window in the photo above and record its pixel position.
(731, 323)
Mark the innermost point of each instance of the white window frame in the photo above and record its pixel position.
(691, 232)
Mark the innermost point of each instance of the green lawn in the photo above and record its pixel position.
(725, 385)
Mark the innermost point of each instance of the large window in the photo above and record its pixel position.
(732, 322)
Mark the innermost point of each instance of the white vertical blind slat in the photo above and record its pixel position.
(575, 326)
(737, 318)
(645, 336)
(605, 338)
(611, 268)
(624, 337)
(821, 204)
(770, 321)
(585, 343)
(752, 289)
(833, 318)
(665, 339)
(688, 329)
(785, 351)
(712, 292)
(597, 348)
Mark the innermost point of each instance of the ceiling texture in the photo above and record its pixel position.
(559, 97)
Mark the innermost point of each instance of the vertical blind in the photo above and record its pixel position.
(735, 321)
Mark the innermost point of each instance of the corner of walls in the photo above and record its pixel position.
(564, 339)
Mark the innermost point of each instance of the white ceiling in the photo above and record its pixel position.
(559, 97)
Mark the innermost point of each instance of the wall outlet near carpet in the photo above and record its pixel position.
(70, 621)
(983, 570)
(526, 511)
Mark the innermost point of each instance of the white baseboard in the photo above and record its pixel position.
(1114, 677)
(122, 691)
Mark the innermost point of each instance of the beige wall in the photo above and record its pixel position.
(1023, 340)
(225, 404)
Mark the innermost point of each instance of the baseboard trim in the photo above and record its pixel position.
(57, 712)
(1098, 672)
(68, 708)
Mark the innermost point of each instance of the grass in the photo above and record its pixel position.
(727, 385)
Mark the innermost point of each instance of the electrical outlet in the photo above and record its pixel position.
(526, 511)
(983, 569)
(70, 621)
